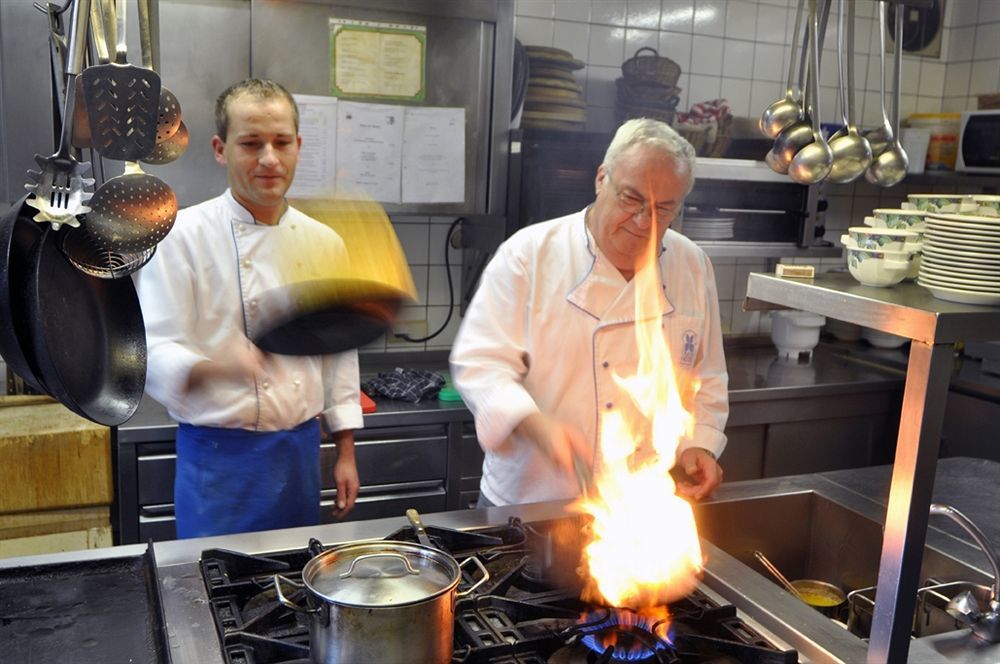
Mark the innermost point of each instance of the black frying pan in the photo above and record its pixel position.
(18, 235)
(88, 336)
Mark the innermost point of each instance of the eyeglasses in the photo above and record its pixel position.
(634, 205)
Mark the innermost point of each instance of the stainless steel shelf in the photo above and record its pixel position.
(906, 309)
(933, 326)
(744, 170)
(732, 249)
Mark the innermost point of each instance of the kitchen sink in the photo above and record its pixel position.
(808, 536)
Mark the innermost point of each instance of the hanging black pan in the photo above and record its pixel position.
(88, 336)
(18, 236)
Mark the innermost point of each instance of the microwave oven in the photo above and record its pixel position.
(979, 142)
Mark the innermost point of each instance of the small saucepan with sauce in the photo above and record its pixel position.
(820, 595)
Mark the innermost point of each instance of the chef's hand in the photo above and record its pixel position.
(244, 362)
(703, 473)
(562, 443)
(345, 474)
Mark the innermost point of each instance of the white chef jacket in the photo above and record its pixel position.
(551, 322)
(200, 295)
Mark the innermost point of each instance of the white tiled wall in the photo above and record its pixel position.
(740, 50)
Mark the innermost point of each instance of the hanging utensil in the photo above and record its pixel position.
(131, 212)
(889, 167)
(786, 111)
(88, 336)
(18, 236)
(59, 189)
(812, 163)
(879, 137)
(169, 118)
(170, 149)
(852, 154)
(798, 134)
(123, 102)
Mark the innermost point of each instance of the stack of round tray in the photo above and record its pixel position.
(554, 99)
(961, 258)
(699, 225)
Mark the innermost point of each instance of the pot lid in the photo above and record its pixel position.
(381, 574)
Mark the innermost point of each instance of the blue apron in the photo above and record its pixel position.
(236, 481)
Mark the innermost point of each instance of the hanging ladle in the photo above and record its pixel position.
(889, 167)
(786, 111)
(812, 163)
(798, 134)
(880, 136)
(852, 154)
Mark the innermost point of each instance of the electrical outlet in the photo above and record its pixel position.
(416, 329)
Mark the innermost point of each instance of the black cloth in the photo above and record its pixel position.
(404, 384)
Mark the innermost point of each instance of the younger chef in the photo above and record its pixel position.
(248, 443)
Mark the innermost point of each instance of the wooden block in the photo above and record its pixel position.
(47, 522)
(91, 538)
(51, 458)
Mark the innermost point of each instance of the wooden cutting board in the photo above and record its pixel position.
(567, 115)
(547, 104)
(539, 93)
(552, 72)
(51, 458)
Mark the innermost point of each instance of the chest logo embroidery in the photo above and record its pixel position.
(690, 341)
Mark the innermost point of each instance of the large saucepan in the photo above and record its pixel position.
(386, 602)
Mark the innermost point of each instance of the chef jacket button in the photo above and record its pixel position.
(604, 364)
(265, 384)
(608, 405)
(297, 382)
(253, 304)
(246, 262)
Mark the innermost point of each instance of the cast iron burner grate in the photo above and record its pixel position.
(516, 618)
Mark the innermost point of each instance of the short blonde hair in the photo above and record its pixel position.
(252, 87)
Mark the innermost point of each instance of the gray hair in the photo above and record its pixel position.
(654, 133)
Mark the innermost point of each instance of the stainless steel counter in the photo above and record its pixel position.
(765, 605)
(754, 375)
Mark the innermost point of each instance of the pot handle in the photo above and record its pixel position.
(287, 602)
(482, 568)
(387, 554)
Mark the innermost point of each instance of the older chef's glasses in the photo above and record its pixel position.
(634, 205)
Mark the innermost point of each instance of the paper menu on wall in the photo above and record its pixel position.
(314, 175)
(433, 160)
(369, 150)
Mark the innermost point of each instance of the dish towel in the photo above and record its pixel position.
(404, 384)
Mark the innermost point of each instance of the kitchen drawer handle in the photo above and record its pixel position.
(387, 554)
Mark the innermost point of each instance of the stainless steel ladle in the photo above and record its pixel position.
(880, 136)
(889, 167)
(813, 162)
(786, 111)
(852, 154)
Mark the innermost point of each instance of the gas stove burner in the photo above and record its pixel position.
(518, 617)
(624, 635)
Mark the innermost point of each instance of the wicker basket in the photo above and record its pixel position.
(989, 101)
(651, 68)
(708, 140)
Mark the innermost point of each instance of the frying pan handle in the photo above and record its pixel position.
(287, 602)
(482, 568)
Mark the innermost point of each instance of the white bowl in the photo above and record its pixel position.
(881, 339)
(889, 239)
(915, 220)
(879, 268)
(939, 202)
(842, 330)
(795, 332)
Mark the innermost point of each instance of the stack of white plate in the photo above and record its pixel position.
(961, 261)
(703, 227)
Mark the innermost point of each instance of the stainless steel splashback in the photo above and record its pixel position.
(205, 45)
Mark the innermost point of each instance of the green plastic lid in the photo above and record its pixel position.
(449, 394)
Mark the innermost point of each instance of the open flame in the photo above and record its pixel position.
(645, 550)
